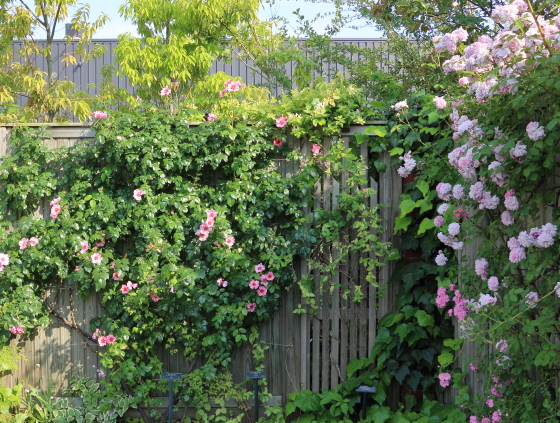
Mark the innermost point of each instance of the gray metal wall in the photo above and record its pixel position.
(88, 73)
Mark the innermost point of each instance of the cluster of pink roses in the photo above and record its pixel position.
(507, 52)
(16, 330)
(542, 237)
(231, 87)
(222, 282)
(206, 226)
(103, 340)
(24, 242)
(55, 207)
(265, 278)
(408, 165)
(125, 289)
(98, 114)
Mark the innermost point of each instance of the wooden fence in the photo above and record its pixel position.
(305, 351)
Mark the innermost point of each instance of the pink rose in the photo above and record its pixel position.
(33, 241)
(251, 307)
(98, 114)
(281, 121)
(96, 258)
(23, 243)
(165, 91)
(138, 193)
(259, 268)
(277, 142)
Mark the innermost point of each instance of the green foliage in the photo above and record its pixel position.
(178, 41)
(49, 99)
(226, 166)
(99, 405)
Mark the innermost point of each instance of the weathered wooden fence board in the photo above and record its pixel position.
(304, 351)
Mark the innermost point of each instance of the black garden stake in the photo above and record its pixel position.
(365, 390)
(256, 376)
(171, 377)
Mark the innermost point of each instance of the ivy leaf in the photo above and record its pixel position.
(423, 186)
(402, 223)
(401, 373)
(378, 414)
(307, 401)
(425, 225)
(403, 330)
(358, 364)
(407, 205)
(445, 359)
(380, 131)
(396, 151)
(424, 319)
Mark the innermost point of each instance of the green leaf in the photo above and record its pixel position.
(445, 359)
(378, 414)
(423, 186)
(407, 205)
(358, 364)
(425, 225)
(307, 401)
(396, 151)
(380, 131)
(424, 319)
(402, 223)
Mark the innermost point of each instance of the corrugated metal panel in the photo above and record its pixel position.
(84, 74)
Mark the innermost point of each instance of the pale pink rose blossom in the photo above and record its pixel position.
(438, 221)
(23, 243)
(493, 283)
(440, 102)
(254, 284)
(251, 307)
(125, 289)
(261, 291)
(516, 255)
(33, 241)
(458, 192)
(96, 258)
(230, 241)
(507, 219)
(84, 247)
(534, 131)
(98, 114)
(55, 201)
(281, 121)
(316, 149)
(165, 91)
(137, 194)
(111, 339)
(400, 105)
(444, 191)
(269, 276)
(211, 214)
(441, 260)
(116, 276)
(473, 367)
(4, 259)
(96, 333)
(102, 341)
(444, 379)
(454, 229)
(532, 298)
(490, 402)
(212, 117)
(100, 243)
(259, 268)
(481, 268)
(154, 297)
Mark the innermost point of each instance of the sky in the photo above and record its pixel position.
(284, 8)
